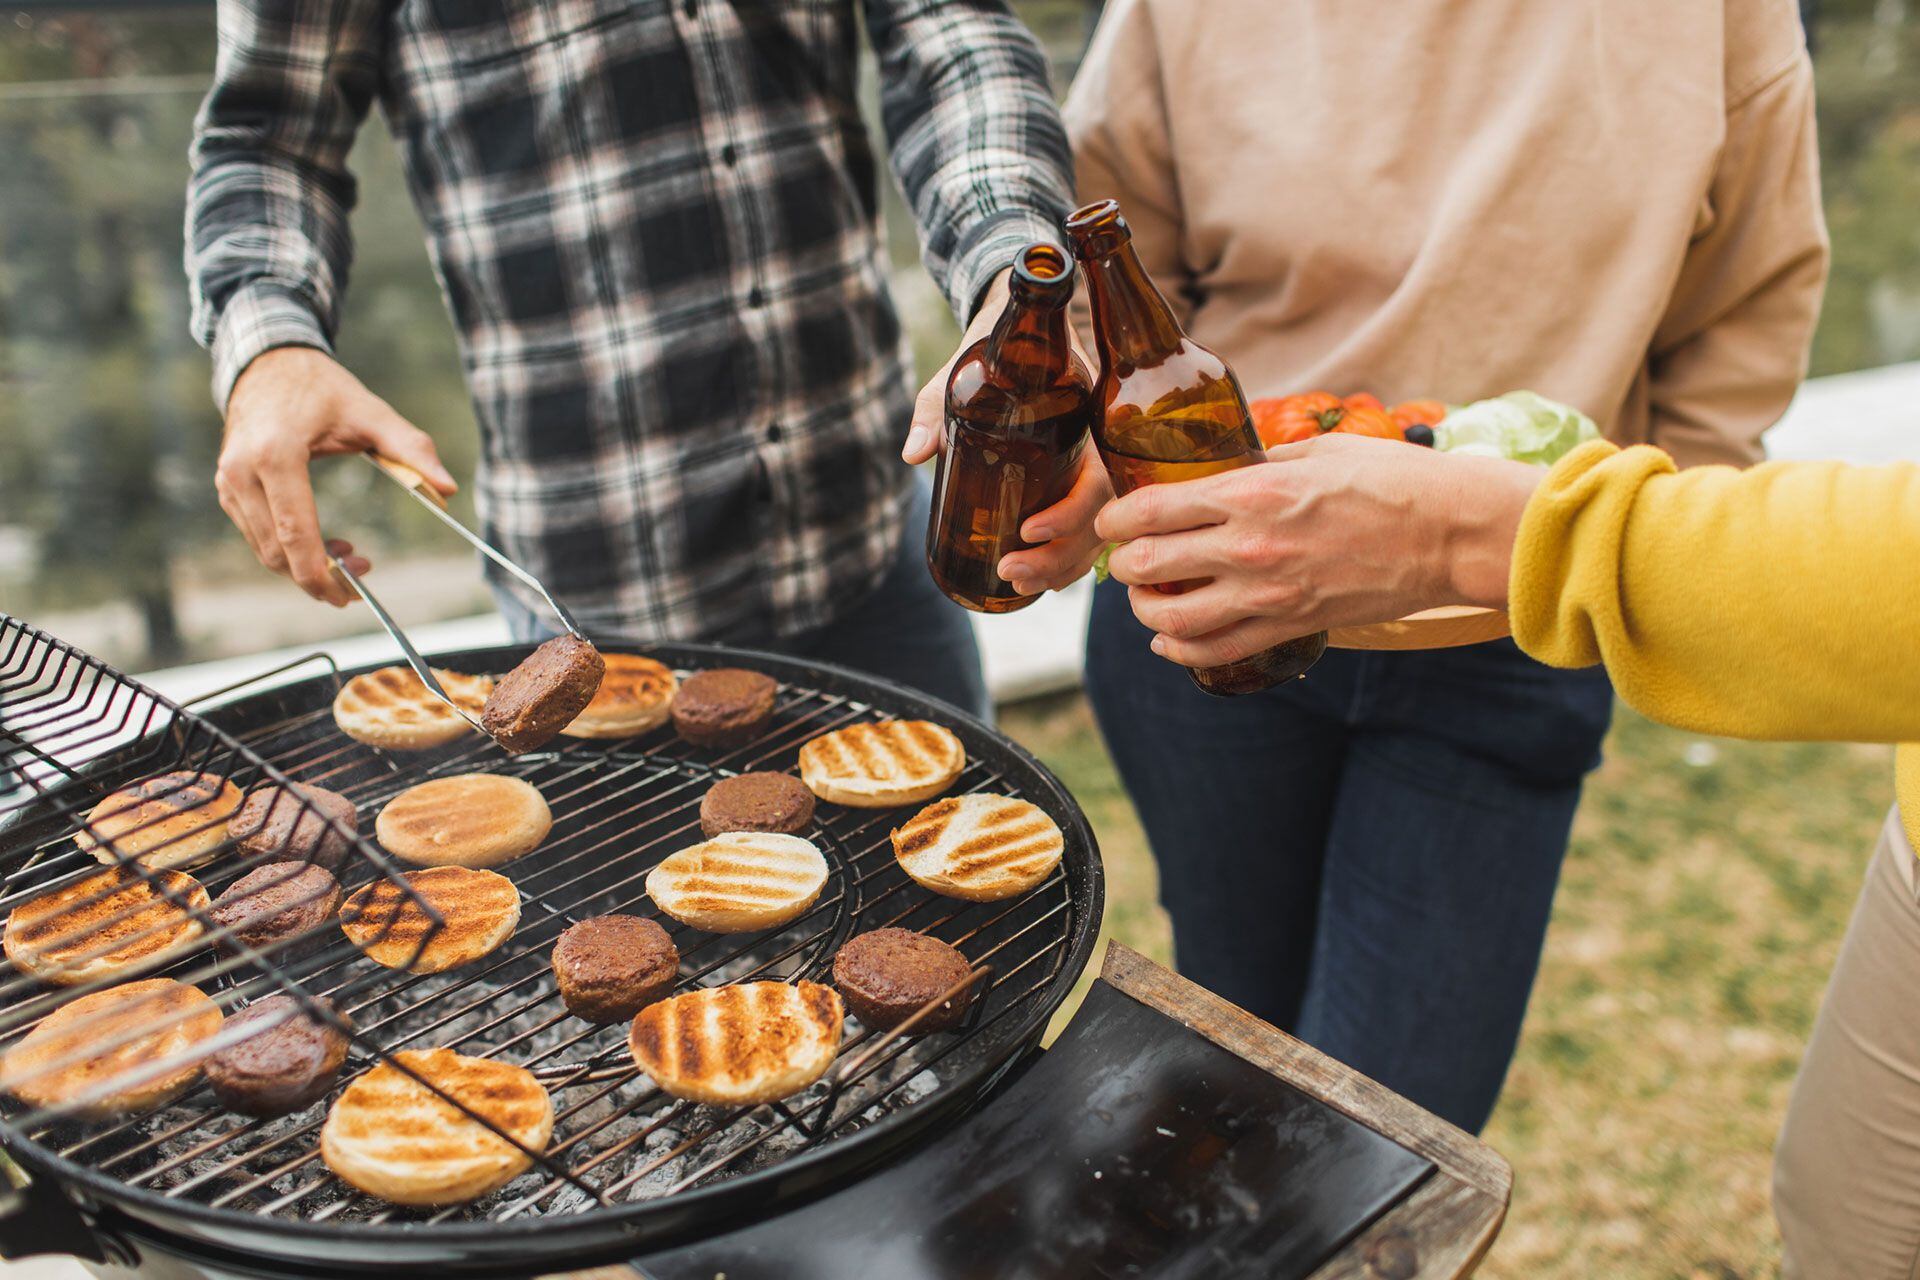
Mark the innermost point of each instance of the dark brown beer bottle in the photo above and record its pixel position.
(1019, 404)
(1169, 409)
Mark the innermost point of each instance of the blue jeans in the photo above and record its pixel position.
(904, 630)
(1365, 857)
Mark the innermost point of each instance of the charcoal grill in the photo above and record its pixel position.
(628, 1168)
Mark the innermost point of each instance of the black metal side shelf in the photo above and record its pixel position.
(1135, 1147)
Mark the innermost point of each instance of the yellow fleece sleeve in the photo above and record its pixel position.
(1777, 602)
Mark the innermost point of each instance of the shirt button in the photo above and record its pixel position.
(774, 432)
(729, 155)
(756, 297)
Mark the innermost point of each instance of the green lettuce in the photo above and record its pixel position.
(1520, 425)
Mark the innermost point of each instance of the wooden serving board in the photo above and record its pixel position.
(1443, 628)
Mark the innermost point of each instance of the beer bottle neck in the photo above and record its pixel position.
(1028, 346)
(1131, 319)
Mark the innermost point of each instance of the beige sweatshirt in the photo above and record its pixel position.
(1615, 203)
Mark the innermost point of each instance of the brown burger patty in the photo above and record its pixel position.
(291, 825)
(275, 902)
(886, 975)
(281, 1069)
(610, 967)
(541, 696)
(774, 802)
(725, 707)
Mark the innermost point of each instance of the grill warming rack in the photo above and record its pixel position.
(71, 730)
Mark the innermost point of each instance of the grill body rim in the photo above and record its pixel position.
(598, 1234)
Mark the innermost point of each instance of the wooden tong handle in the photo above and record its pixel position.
(409, 477)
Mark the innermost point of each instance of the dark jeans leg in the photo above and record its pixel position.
(1236, 795)
(1442, 860)
(904, 630)
(1400, 818)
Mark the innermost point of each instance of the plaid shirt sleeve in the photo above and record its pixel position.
(975, 136)
(267, 240)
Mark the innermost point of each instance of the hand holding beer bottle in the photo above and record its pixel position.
(1018, 406)
(1167, 410)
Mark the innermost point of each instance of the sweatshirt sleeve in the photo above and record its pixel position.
(976, 139)
(1117, 120)
(267, 241)
(1778, 602)
(1732, 346)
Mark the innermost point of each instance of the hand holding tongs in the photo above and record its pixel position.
(427, 496)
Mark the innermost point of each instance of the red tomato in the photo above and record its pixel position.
(1409, 412)
(1370, 422)
(1287, 419)
(1363, 400)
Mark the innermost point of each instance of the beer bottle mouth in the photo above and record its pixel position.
(1097, 229)
(1043, 272)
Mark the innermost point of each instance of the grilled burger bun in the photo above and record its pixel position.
(170, 821)
(740, 881)
(392, 1137)
(979, 847)
(391, 708)
(480, 910)
(740, 1045)
(113, 1038)
(467, 820)
(878, 766)
(109, 923)
(634, 698)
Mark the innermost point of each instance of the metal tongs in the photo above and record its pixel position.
(429, 497)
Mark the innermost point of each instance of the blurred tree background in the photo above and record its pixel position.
(108, 433)
(108, 524)
(1867, 67)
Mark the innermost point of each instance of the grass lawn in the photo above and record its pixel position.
(1702, 903)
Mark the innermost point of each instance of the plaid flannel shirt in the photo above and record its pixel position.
(656, 227)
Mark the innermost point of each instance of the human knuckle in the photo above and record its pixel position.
(1280, 596)
(1280, 489)
(283, 453)
(1233, 647)
(1249, 549)
(1142, 558)
(1175, 620)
